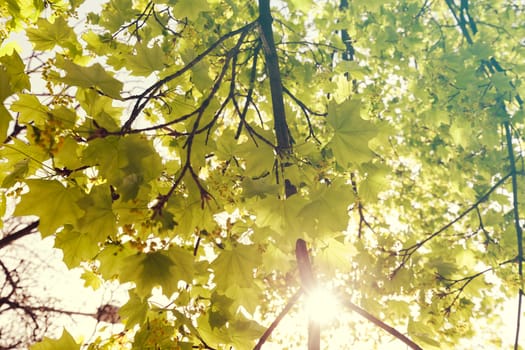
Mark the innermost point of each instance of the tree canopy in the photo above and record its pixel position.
(187, 146)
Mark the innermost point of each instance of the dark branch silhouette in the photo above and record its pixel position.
(276, 85)
(11, 237)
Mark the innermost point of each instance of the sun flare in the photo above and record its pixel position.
(322, 305)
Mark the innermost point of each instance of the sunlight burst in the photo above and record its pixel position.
(322, 305)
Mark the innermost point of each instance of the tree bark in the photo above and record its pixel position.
(276, 87)
(308, 283)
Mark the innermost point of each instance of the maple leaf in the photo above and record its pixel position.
(76, 246)
(65, 342)
(13, 76)
(94, 76)
(146, 60)
(328, 208)
(53, 203)
(190, 8)
(149, 270)
(47, 35)
(281, 216)
(99, 220)
(134, 311)
(352, 133)
(31, 109)
(160, 268)
(234, 266)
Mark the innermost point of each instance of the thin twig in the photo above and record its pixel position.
(406, 253)
(278, 319)
(382, 325)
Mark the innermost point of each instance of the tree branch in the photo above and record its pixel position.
(406, 253)
(278, 319)
(5, 241)
(276, 87)
(382, 325)
(144, 97)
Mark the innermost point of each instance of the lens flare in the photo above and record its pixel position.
(322, 305)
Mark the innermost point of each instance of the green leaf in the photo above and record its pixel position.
(19, 172)
(55, 204)
(13, 74)
(328, 208)
(113, 260)
(68, 155)
(91, 279)
(47, 35)
(76, 247)
(98, 220)
(302, 5)
(65, 342)
(259, 157)
(3, 206)
(146, 60)
(461, 133)
(100, 108)
(247, 298)
(117, 13)
(236, 266)
(220, 311)
(184, 263)
(126, 162)
(158, 333)
(31, 110)
(375, 182)
(259, 187)
(5, 86)
(134, 311)
(160, 268)
(190, 8)
(94, 76)
(5, 120)
(351, 133)
(281, 216)
(243, 332)
(334, 256)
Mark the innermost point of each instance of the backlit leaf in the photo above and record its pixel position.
(76, 246)
(235, 267)
(65, 342)
(47, 35)
(134, 311)
(94, 76)
(146, 60)
(149, 270)
(190, 8)
(98, 220)
(328, 208)
(31, 109)
(53, 203)
(351, 133)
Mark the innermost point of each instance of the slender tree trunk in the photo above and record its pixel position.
(308, 283)
(276, 86)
